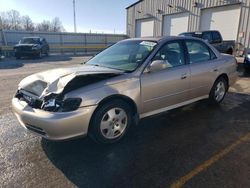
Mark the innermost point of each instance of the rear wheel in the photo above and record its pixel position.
(110, 122)
(218, 91)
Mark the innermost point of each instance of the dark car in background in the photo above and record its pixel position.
(31, 46)
(247, 61)
(215, 38)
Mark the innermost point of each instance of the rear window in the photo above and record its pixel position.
(199, 52)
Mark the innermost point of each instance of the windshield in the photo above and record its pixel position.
(125, 56)
(30, 41)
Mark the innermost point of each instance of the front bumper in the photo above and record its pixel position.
(27, 52)
(53, 125)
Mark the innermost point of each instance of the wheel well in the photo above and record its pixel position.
(123, 98)
(120, 97)
(225, 77)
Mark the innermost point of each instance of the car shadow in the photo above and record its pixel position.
(12, 63)
(157, 151)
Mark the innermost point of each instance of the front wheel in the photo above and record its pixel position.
(110, 122)
(40, 55)
(218, 91)
(47, 53)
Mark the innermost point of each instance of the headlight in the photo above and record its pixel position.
(70, 104)
(248, 56)
(34, 47)
(66, 105)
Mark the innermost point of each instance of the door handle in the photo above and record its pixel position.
(183, 76)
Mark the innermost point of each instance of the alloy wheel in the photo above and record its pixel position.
(114, 123)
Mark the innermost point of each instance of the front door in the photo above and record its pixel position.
(169, 86)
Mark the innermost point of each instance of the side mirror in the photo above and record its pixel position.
(157, 65)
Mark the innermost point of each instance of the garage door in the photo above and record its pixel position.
(144, 28)
(225, 19)
(175, 24)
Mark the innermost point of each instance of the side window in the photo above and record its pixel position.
(207, 36)
(199, 52)
(172, 54)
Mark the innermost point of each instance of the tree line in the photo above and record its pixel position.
(13, 20)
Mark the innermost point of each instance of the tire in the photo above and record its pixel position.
(17, 56)
(40, 55)
(110, 122)
(47, 53)
(230, 51)
(218, 91)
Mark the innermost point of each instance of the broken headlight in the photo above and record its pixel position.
(67, 105)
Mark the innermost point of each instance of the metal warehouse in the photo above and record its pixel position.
(172, 17)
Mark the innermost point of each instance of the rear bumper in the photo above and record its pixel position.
(53, 126)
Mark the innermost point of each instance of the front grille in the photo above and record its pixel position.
(24, 48)
(36, 129)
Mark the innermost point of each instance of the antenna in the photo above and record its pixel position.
(74, 10)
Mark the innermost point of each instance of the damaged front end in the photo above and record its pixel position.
(40, 94)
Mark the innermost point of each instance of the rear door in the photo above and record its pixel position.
(169, 86)
(203, 66)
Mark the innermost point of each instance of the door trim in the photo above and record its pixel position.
(172, 107)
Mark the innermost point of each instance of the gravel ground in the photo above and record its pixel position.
(196, 146)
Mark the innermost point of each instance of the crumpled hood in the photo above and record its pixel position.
(53, 81)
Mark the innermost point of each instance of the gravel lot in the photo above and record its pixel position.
(195, 146)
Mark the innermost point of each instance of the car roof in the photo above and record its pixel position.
(164, 38)
(201, 31)
(31, 37)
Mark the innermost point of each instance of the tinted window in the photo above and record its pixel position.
(172, 54)
(199, 52)
(216, 36)
(207, 36)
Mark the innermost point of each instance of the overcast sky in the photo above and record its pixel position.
(97, 15)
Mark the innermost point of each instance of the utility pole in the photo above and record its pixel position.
(74, 10)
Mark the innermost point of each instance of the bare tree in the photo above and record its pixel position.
(27, 23)
(14, 19)
(56, 25)
(4, 22)
(44, 26)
